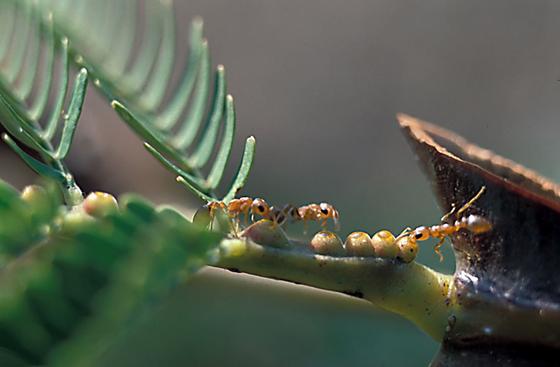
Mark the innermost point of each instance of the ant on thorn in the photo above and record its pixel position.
(472, 223)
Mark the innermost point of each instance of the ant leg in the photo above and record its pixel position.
(305, 226)
(404, 233)
(336, 225)
(471, 201)
(273, 217)
(212, 216)
(234, 225)
(437, 248)
(450, 213)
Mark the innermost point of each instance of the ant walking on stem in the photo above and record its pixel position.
(472, 223)
(259, 207)
(382, 244)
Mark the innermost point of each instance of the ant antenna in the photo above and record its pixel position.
(450, 213)
(471, 201)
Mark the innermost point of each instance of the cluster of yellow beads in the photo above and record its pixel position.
(382, 244)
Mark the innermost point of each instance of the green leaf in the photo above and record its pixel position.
(206, 145)
(32, 60)
(7, 21)
(194, 190)
(153, 137)
(159, 79)
(39, 167)
(20, 117)
(40, 103)
(17, 125)
(137, 81)
(19, 41)
(52, 122)
(244, 169)
(74, 112)
(193, 180)
(136, 78)
(93, 283)
(122, 54)
(217, 171)
(169, 117)
(23, 221)
(189, 129)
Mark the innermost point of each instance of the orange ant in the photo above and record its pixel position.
(245, 205)
(240, 206)
(472, 223)
(318, 212)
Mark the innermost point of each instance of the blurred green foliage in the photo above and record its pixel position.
(79, 281)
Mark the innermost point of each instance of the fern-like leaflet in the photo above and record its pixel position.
(84, 280)
(68, 279)
(24, 114)
(180, 132)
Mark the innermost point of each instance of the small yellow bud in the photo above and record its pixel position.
(359, 244)
(384, 245)
(34, 194)
(407, 249)
(98, 204)
(327, 243)
(267, 233)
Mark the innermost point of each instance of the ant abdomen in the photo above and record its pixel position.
(475, 224)
(291, 212)
(260, 207)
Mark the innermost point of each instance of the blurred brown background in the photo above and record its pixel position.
(319, 83)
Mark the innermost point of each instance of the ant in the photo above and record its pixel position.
(246, 205)
(318, 212)
(472, 223)
(257, 206)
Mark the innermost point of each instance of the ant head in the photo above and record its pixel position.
(260, 207)
(326, 211)
(420, 234)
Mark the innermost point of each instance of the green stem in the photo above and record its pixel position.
(70, 190)
(412, 290)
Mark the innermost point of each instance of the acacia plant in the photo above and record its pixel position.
(76, 270)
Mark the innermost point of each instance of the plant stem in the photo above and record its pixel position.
(412, 290)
